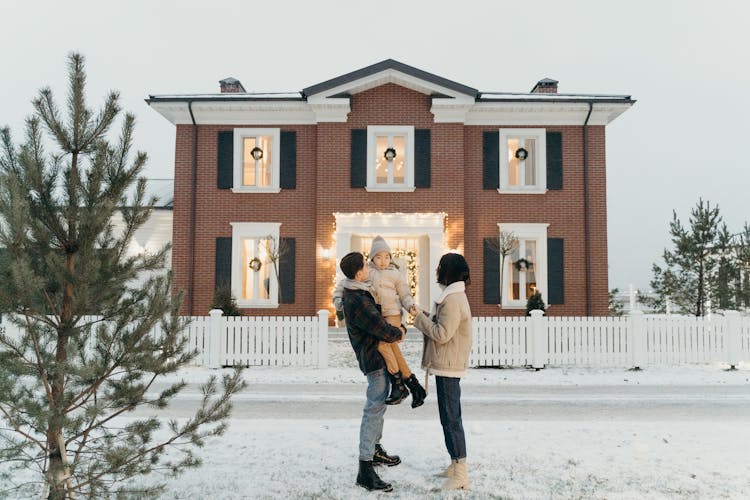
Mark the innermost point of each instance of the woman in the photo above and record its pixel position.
(446, 354)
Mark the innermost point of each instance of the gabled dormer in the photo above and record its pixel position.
(331, 99)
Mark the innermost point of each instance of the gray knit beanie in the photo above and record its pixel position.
(379, 245)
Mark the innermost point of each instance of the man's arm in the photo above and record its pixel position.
(367, 317)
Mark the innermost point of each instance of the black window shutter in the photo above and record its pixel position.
(491, 160)
(223, 271)
(286, 270)
(359, 158)
(554, 160)
(491, 272)
(225, 160)
(422, 158)
(555, 271)
(288, 161)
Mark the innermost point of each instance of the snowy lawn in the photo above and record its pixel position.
(291, 455)
(262, 459)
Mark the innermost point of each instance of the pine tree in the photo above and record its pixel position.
(224, 300)
(66, 381)
(743, 265)
(535, 302)
(689, 277)
(615, 306)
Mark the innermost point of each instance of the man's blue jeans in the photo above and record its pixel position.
(371, 429)
(449, 406)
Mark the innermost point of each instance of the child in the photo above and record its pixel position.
(392, 293)
(367, 328)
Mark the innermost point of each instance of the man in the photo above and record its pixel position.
(366, 327)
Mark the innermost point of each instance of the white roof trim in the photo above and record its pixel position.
(238, 113)
(461, 109)
(542, 114)
(390, 76)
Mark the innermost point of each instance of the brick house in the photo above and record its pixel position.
(272, 189)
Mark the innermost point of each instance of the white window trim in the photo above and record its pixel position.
(242, 230)
(239, 135)
(374, 130)
(537, 232)
(540, 135)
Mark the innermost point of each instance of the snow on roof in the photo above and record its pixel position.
(229, 96)
(518, 96)
(161, 189)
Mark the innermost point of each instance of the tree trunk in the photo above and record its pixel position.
(502, 270)
(58, 464)
(699, 305)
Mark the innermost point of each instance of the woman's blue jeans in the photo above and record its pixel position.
(449, 405)
(371, 429)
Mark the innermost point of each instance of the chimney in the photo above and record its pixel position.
(231, 85)
(545, 86)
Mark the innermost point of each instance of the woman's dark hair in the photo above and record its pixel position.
(452, 268)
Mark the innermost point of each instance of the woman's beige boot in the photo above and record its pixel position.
(448, 472)
(460, 478)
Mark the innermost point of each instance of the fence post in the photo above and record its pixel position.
(637, 339)
(215, 337)
(323, 338)
(733, 345)
(538, 336)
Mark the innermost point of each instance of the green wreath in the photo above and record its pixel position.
(523, 265)
(255, 264)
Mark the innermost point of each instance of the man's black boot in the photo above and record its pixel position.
(382, 457)
(398, 389)
(368, 478)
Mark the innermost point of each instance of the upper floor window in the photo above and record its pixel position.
(254, 264)
(256, 160)
(390, 158)
(525, 268)
(523, 160)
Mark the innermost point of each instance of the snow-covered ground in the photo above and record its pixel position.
(665, 432)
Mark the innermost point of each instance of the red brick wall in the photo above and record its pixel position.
(385, 105)
(561, 209)
(217, 208)
(323, 187)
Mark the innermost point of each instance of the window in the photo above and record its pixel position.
(525, 268)
(255, 264)
(390, 158)
(523, 160)
(256, 160)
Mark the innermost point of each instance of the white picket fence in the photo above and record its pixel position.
(248, 340)
(258, 340)
(635, 340)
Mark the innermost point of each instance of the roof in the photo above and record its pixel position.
(161, 189)
(552, 97)
(384, 66)
(389, 64)
(228, 97)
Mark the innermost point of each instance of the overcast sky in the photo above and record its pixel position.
(685, 62)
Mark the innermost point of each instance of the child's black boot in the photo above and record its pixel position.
(398, 389)
(417, 391)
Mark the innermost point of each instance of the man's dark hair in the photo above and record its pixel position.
(452, 268)
(351, 263)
